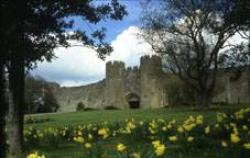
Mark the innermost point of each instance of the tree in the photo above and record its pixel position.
(39, 95)
(49, 102)
(235, 58)
(3, 87)
(190, 35)
(80, 107)
(35, 28)
(3, 106)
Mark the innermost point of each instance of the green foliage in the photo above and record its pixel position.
(39, 97)
(40, 26)
(187, 34)
(90, 109)
(31, 120)
(80, 107)
(110, 108)
(179, 93)
(30, 31)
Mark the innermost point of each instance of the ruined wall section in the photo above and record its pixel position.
(115, 85)
(151, 74)
(90, 95)
(235, 87)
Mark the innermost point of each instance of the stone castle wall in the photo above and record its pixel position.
(90, 95)
(143, 87)
(235, 87)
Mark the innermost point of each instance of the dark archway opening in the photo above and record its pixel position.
(133, 101)
(134, 104)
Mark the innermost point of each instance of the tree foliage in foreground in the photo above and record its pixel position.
(30, 30)
(190, 35)
(39, 97)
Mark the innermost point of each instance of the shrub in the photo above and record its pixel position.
(89, 109)
(178, 93)
(80, 107)
(30, 120)
(110, 108)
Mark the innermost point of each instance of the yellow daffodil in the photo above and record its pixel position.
(190, 139)
(173, 138)
(160, 150)
(79, 139)
(189, 127)
(87, 145)
(224, 144)
(152, 131)
(169, 126)
(135, 155)
(234, 138)
(199, 119)
(180, 129)
(216, 125)
(244, 127)
(246, 146)
(207, 130)
(120, 147)
(173, 121)
(103, 132)
(90, 136)
(164, 128)
(114, 133)
(79, 133)
(35, 155)
(235, 130)
(156, 143)
(158, 147)
(221, 116)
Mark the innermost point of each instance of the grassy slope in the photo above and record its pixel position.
(79, 118)
(76, 118)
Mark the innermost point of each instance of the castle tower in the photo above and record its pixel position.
(132, 87)
(115, 85)
(151, 82)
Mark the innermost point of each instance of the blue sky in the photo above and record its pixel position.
(114, 27)
(80, 65)
(76, 66)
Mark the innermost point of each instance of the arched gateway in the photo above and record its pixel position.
(133, 101)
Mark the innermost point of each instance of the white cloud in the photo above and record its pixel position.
(128, 47)
(80, 65)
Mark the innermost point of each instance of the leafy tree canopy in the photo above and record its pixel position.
(41, 25)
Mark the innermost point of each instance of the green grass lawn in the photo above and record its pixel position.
(111, 116)
(71, 150)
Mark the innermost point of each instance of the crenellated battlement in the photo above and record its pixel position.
(154, 59)
(115, 69)
(148, 65)
(134, 69)
(151, 66)
(115, 64)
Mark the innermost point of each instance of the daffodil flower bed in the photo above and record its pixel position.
(228, 136)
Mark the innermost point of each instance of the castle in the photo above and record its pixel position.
(140, 87)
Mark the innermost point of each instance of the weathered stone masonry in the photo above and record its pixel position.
(142, 87)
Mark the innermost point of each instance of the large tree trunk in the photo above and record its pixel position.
(204, 99)
(248, 64)
(16, 107)
(2, 111)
